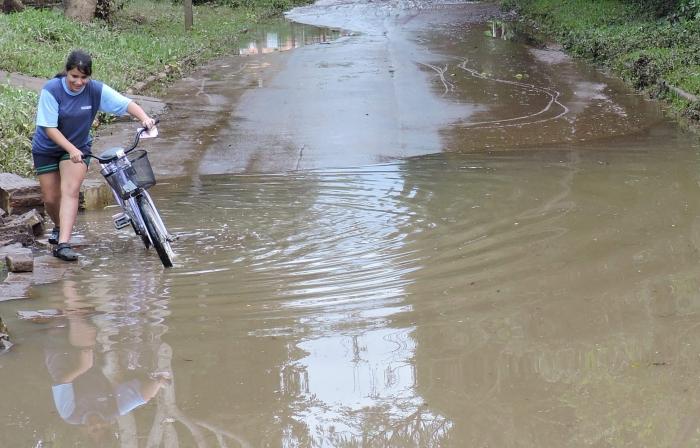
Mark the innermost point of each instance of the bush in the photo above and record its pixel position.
(16, 126)
(656, 8)
(692, 112)
(106, 8)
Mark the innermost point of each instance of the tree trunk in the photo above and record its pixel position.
(188, 14)
(81, 10)
(12, 6)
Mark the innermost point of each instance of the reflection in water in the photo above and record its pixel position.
(356, 384)
(99, 365)
(359, 391)
(284, 36)
(105, 361)
(327, 270)
(86, 392)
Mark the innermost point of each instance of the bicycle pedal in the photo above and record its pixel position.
(121, 220)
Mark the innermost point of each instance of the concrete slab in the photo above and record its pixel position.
(19, 194)
(23, 81)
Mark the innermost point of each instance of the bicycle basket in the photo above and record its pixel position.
(128, 180)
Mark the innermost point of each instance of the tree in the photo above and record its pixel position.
(81, 10)
(188, 14)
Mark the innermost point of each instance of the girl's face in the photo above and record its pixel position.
(76, 79)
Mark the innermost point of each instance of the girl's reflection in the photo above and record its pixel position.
(82, 393)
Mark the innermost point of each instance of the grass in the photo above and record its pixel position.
(645, 50)
(688, 76)
(17, 109)
(144, 38)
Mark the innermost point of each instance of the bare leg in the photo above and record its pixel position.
(50, 184)
(72, 176)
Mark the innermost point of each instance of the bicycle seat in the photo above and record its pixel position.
(111, 152)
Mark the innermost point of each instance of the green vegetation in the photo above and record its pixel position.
(650, 43)
(142, 38)
(16, 125)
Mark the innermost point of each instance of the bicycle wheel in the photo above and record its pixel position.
(157, 231)
(138, 228)
(142, 234)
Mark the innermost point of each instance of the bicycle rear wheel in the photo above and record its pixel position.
(157, 232)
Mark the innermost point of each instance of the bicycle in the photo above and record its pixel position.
(129, 174)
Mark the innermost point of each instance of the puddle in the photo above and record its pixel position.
(388, 240)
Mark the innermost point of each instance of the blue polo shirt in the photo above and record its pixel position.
(72, 113)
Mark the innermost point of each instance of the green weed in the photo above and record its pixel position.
(17, 108)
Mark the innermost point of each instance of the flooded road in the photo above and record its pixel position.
(488, 284)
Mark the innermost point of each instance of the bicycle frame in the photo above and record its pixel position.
(130, 207)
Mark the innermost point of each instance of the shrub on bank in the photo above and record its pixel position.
(16, 125)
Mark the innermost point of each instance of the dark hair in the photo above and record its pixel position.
(80, 60)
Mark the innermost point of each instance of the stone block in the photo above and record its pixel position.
(16, 233)
(20, 261)
(10, 248)
(32, 219)
(23, 228)
(15, 286)
(19, 194)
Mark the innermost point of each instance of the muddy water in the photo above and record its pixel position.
(541, 292)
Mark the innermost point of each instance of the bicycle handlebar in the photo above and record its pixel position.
(137, 138)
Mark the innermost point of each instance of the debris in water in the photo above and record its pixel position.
(40, 315)
(5, 343)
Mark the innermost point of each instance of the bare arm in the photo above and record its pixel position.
(57, 137)
(136, 111)
(85, 361)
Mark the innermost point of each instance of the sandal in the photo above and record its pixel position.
(53, 238)
(65, 252)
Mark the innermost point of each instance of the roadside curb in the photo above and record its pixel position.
(680, 92)
(149, 81)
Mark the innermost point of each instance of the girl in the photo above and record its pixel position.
(68, 104)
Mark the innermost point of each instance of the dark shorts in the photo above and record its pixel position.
(47, 162)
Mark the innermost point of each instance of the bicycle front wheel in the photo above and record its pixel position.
(136, 223)
(157, 232)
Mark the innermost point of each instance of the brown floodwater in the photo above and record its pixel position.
(524, 275)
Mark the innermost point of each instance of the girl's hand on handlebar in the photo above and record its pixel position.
(75, 156)
(148, 123)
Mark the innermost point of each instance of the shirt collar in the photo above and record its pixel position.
(68, 90)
